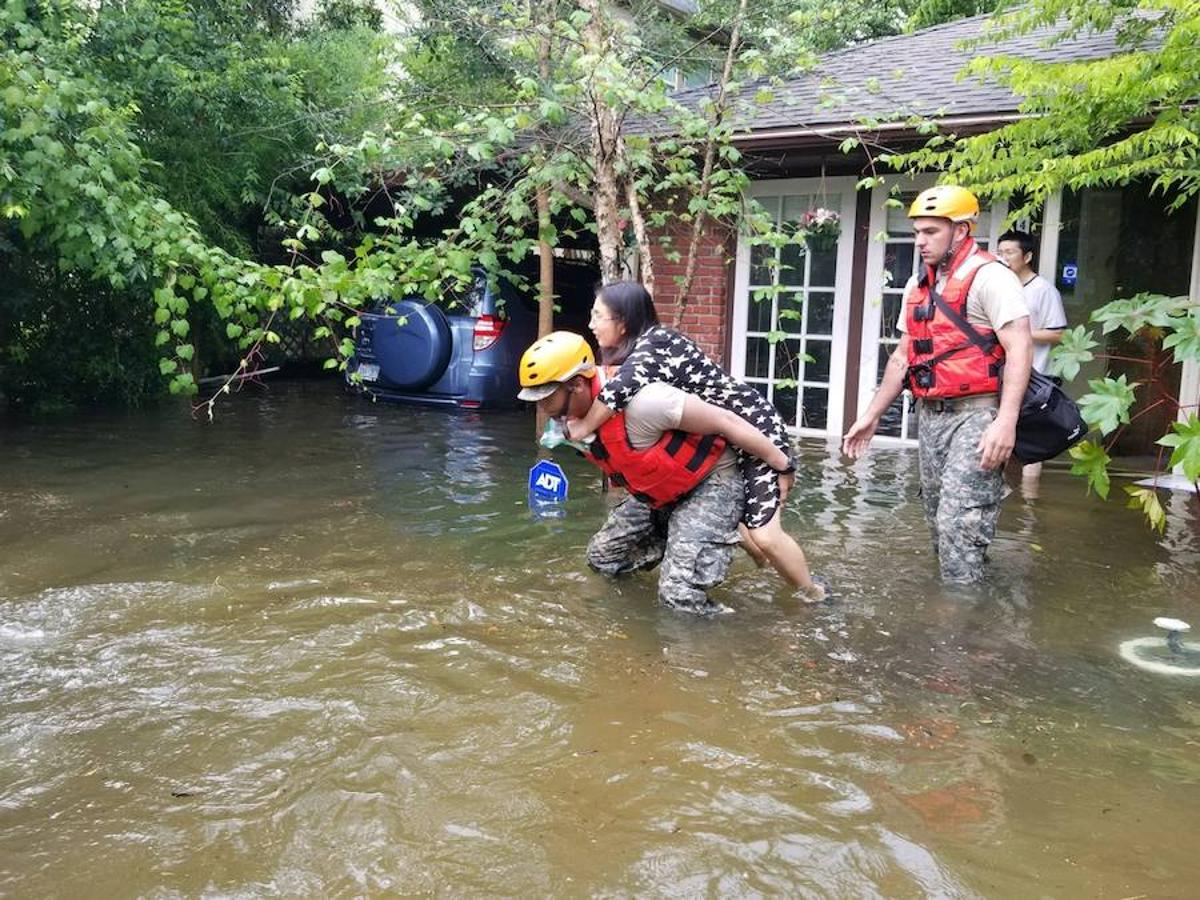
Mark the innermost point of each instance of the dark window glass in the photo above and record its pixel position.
(898, 264)
(791, 312)
(757, 351)
(760, 269)
(791, 264)
(823, 271)
(820, 312)
(758, 313)
(822, 353)
(785, 402)
(787, 359)
(816, 408)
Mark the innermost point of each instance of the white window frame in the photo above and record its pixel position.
(836, 193)
(868, 361)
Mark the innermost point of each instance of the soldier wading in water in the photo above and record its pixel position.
(965, 352)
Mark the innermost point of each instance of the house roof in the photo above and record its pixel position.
(685, 7)
(892, 78)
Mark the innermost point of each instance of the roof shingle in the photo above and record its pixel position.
(910, 74)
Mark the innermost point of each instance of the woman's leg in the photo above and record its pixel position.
(764, 524)
(756, 554)
(786, 556)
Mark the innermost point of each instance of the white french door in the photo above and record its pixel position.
(791, 307)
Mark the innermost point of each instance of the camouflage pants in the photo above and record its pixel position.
(961, 500)
(693, 539)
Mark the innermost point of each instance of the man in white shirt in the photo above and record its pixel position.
(1047, 319)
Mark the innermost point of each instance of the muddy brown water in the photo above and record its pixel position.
(321, 648)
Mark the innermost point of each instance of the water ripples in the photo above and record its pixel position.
(360, 667)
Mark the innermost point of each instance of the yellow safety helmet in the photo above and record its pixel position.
(557, 357)
(946, 201)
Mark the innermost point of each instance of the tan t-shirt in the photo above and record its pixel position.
(994, 300)
(656, 408)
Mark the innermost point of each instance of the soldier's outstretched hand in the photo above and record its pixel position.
(858, 438)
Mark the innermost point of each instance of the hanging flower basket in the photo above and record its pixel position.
(820, 229)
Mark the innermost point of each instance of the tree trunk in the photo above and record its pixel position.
(545, 251)
(639, 227)
(607, 191)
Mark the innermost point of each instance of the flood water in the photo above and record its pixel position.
(320, 647)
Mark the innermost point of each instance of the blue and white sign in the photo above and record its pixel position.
(1070, 274)
(547, 482)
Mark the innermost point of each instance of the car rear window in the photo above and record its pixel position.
(468, 302)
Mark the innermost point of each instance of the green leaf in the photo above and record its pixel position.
(1146, 499)
(167, 366)
(185, 351)
(1138, 311)
(1185, 337)
(1109, 403)
(1185, 439)
(1092, 461)
(1074, 350)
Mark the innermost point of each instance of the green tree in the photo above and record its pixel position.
(137, 139)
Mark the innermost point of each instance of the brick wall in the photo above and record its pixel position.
(704, 317)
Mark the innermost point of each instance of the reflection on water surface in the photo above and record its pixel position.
(321, 648)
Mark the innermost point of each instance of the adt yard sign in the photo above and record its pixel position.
(547, 482)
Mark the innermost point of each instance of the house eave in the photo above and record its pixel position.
(807, 135)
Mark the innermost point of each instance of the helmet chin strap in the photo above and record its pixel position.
(954, 247)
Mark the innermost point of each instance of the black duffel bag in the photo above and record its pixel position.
(1049, 422)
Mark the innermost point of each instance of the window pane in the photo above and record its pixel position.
(795, 206)
(761, 264)
(791, 312)
(822, 353)
(898, 222)
(787, 360)
(820, 312)
(757, 351)
(785, 402)
(897, 264)
(816, 408)
(823, 266)
(758, 313)
(890, 315)
(791, 264)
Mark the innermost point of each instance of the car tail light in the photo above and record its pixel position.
(487, 331)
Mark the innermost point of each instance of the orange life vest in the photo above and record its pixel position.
(662, 473)
(947, 356)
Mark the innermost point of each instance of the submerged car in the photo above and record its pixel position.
(462, 352)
